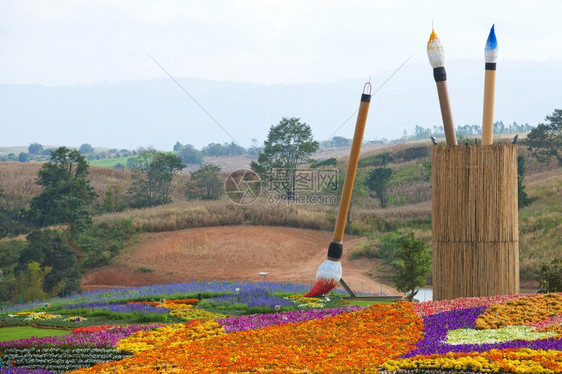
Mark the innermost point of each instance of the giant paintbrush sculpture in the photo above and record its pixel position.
(436, 57)
(491, 56)
(330, 272)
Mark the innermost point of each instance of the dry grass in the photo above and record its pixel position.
(183, 215)
(17, 180)
(539, 223)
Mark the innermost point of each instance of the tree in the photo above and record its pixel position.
(378, 182)
(67, 192)
(522, 197)
(178, 146)
(114, 200)
(190, 155)
(9, 253)
(339, 141)
(153, 178)
(550, 276)
(545, 140)
(24, 157)
(35, 148)
(86, 149)
(132, 163)
(205, 183)
(412, 263)
(29, 282)
(223, 150)
(50, 250)
(288, 145)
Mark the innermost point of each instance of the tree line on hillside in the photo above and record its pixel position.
(191, 155)
(51, 260)
(467, 131)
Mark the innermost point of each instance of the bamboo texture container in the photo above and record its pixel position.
(474, 221)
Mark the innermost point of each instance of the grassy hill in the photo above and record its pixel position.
(409, 205)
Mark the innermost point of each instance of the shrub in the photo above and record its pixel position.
(550, 276)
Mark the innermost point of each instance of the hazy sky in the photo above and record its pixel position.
(67, 42)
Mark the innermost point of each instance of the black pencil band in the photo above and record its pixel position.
(439, 74)
(335, 250)
(490, 66)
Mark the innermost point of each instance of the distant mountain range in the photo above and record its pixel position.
(158, 113)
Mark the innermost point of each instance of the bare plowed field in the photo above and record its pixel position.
(231, 253)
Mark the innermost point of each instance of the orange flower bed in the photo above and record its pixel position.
(348, 343)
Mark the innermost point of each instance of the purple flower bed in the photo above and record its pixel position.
(169, 289)
(24, 371)
(120, 308)
(255, 297)
(256, 321)
(107, 338)
(438, 325)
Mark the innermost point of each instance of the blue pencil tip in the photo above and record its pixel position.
(492, 43)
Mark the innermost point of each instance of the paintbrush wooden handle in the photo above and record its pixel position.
(352, 167)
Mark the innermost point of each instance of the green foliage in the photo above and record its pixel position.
(223, 150)
(336, 141)
(288, 145)
(24, 157)
(380, 159)
(67, 193)
(410, 174)
(49, 249)
(35, 148)
(327, 162)
(153, 178)
(522, 197)
(108, 314)
(467, 131)
(101, 242)
(205, 184)
(13, 217)
(113, 162)
(550, 276)
(378, 182)
(86, 149)
(9, 254)
(190, 155)
(30, 282)
(114, 200)
(381, 246)
(412, 263)
(545, 140)
(412, 153)
(61, 359)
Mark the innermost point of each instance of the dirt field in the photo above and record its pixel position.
(232, 253)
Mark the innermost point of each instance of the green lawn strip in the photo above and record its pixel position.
(22, 332)
(366, 303)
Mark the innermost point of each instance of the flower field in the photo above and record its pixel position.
(214, 328)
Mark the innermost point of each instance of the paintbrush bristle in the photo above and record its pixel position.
(327, 278)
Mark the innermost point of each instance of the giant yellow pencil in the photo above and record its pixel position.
(491, 56)
(330, 272)
(436, 57)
